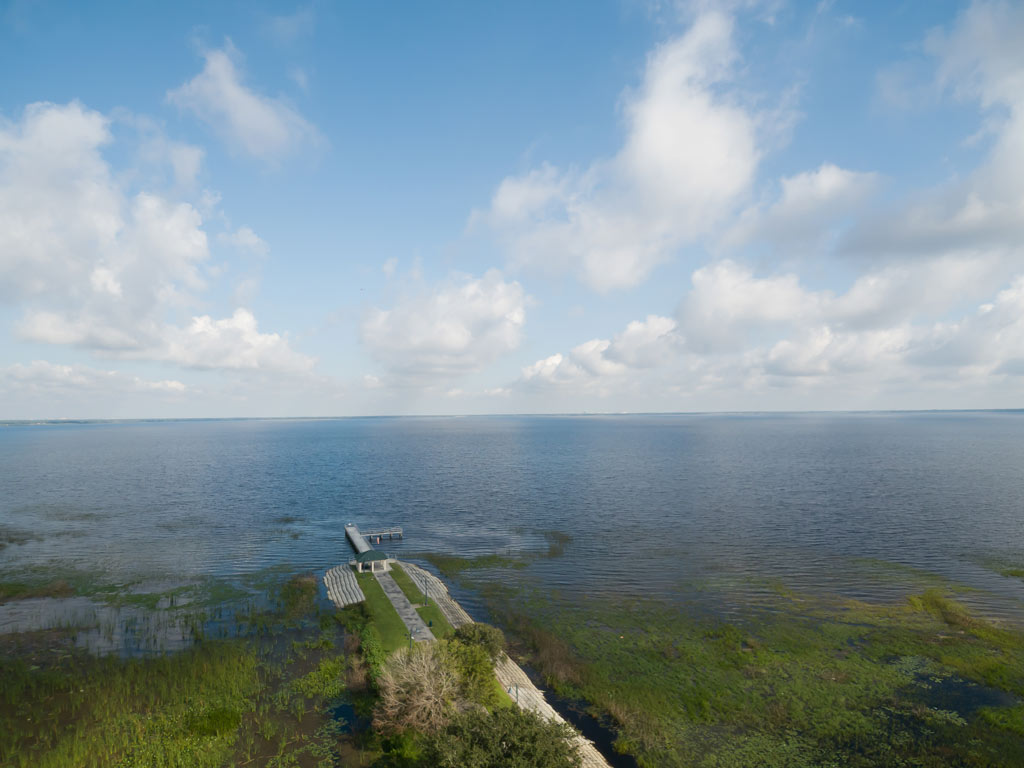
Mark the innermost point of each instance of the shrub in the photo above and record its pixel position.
(473, 669)
(373, 651)
(484, 635)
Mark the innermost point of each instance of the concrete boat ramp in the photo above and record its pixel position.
(343, 589)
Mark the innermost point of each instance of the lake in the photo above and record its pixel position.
(714, 510)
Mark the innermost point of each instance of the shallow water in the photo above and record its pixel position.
(720, 510)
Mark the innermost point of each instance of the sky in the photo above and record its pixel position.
(355, 208)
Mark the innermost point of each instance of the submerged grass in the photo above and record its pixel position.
(262, 698)
(806, 683)
(452, 566)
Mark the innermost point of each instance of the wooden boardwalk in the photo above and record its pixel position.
(342, 587)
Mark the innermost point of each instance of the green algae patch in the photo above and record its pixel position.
(799, 682)
(14, 590)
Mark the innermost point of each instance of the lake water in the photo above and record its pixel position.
(714, 508)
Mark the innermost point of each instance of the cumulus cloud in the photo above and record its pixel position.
(689, 155)
(259, 125)
(809, 208)
(44, 378)
(233, 343)
(457, 328)
(979, 59)
(646, 343)
(740, 333)
(98, 267)
(247, 241)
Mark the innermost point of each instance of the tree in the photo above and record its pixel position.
(417, 690)
(506, 738)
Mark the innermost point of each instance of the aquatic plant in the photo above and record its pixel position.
(804, 681)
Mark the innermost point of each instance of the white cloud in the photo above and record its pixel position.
(809, 208)
(44, 378)
(244, 239)
(643, 344)
(979, 59)
(233, 343)
(728, 303)
(98, 267)
(259, 125)
(457, 328)
(288, 29)
(690, 154)
(741, 334)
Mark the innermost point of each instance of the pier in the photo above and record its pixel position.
(359, 539)
(356, 538)
(343, 589)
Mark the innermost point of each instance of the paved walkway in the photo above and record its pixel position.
(420, 632)
(342, 587)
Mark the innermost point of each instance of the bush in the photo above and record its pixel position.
(506, 738)
(484, 635)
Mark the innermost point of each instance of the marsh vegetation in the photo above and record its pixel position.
(806, 681)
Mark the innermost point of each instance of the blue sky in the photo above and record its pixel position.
(324, 209)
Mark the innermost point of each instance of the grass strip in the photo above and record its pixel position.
(435, 620)
(403, 580)
(385, 618)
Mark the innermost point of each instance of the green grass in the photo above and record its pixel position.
(389, 624)
(404, 581)
(502, 698)
(430, 613)
(436, 620)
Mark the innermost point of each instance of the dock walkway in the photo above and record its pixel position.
(358, 542)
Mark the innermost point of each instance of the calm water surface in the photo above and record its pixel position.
(716, 508)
